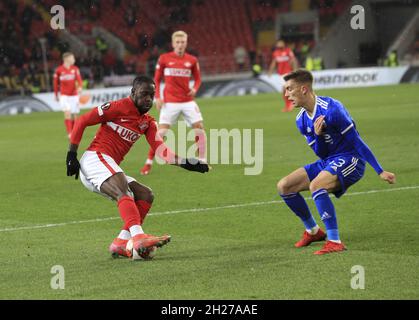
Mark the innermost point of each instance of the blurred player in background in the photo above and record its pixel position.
(176, 69)
(67, 88)
(123, 122)
(331, 133)
(284, 60)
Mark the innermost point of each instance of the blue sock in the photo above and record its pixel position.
(327, 213)
(299, 206)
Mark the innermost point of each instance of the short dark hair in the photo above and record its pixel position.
(142, 79)
(300, 76)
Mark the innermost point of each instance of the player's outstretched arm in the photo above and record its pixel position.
(163, 151)
(366, 153)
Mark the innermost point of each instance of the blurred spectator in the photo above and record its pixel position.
(130, 62)
(301, 52)
(314, 63)
(97, 66)
(392, 59)
(94, 10)
(256, 70)
(120, 67)
(131, 14)
(109, 62)
(152, 61)
(26, 20)
(101, 45)
(240, 55)
(142, 42)
(130, 17)
(161, 37)
(180, 14)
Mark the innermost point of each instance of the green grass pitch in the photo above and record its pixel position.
(240, 252)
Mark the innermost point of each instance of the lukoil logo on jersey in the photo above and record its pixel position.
(124, 133)
(177, 72)
(65, 77)
(282, 58)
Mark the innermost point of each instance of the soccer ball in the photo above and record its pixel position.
(148, 255)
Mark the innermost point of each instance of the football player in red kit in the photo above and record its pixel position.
(284, 60)
(177, 68)
(68, 82)
(123, 122)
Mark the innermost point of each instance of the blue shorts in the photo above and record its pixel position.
(348, 168)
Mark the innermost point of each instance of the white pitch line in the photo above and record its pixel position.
(232, 206)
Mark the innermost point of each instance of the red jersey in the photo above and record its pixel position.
(121, 126)
(177, 71)
(283, 59)
(66, 80)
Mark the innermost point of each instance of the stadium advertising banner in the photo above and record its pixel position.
(88, 98)
(325, 79)
(46, 101)
(349, 78)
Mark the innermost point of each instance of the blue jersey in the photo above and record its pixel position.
(338, 122)
(339, 138)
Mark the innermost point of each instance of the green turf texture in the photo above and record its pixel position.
(228, 253)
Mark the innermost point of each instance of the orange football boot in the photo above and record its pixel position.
(145, 242)
(119, 248)
(330, 247)
(308, 238)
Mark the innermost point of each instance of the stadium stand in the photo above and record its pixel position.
(216, 28)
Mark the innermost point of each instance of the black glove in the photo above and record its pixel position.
(193, 164)
(73, 165)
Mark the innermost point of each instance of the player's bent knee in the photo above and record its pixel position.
(316, 185)
(142, 192)
(150, 197)
(283, 186)
(147, 195)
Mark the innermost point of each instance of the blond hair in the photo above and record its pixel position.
(179, 33)
(67, 54)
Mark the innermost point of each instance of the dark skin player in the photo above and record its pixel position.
(116, 186)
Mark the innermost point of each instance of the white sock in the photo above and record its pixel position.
(125, 235)
(313, 230)
(336, 241)
(149, 161)
(136, 229)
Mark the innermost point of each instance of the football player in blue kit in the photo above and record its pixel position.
(331, 133)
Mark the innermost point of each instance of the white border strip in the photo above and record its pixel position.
(347, 129)
(248, 204)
